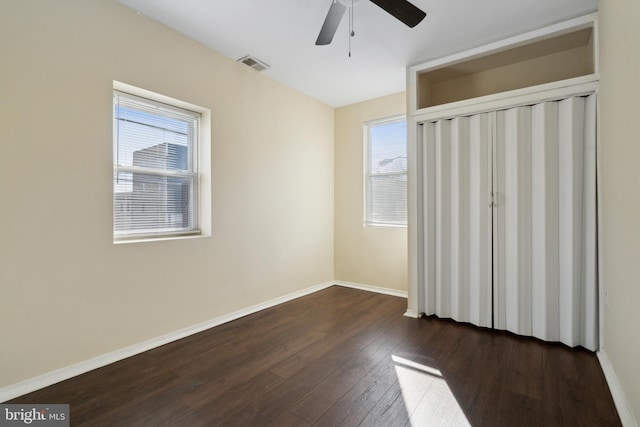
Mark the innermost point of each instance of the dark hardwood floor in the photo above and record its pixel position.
(343, 357)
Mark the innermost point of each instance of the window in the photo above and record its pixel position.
(386, 172)
(155, 168)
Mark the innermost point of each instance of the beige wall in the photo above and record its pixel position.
(620, 189)
(367, 255)
(67, 292)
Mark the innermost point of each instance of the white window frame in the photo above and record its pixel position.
(202, 181)
(368, 221)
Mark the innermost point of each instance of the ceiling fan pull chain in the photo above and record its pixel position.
(350, 24)
(353, 14)
(351, 32)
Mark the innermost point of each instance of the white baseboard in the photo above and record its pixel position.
(412, 314)
(377, 289)
(619, 399)
(45, 380)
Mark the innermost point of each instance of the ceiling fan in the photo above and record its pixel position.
(402, 10)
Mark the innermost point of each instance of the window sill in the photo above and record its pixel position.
(383, 225)
(158, 239)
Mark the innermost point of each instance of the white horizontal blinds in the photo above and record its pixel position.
(460, 286)
(155, 168)
(546, 281)
(386, 201)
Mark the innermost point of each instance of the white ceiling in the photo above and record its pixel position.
(282, 33)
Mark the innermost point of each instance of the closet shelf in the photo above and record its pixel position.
(561, 52)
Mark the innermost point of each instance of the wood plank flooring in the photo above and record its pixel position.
(343, 357)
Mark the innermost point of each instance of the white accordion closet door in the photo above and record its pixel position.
(544, 221)
(510, 220)
(458, 228)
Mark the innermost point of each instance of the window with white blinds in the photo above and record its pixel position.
(386, 172)
(155, 169)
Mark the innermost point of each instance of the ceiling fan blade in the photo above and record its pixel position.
(406, 12)
(331, 22)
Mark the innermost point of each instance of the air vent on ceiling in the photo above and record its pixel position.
(254, 63)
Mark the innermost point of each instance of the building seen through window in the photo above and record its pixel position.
(155, 168)
(386, 172)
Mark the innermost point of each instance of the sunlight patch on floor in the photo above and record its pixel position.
(427, 397)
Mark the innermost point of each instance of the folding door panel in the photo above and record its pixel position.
(458, 183)
(544, 221)
(512, 221)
